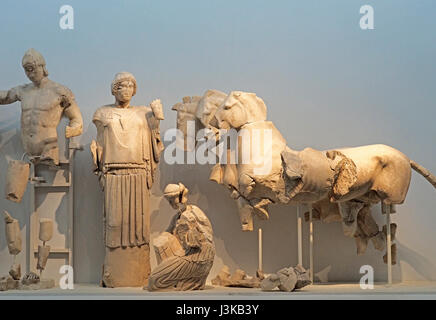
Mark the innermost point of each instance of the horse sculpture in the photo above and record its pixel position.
(340, 184)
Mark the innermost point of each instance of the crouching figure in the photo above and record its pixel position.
(185, 252)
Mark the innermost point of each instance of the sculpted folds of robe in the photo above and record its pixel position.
(128, 150)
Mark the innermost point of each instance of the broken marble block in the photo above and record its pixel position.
(361, 245)
(43, 252)
(16, 180)
(45, 229)
(222, 277)
(8, 283)
(286, 279)
(238, 279)
(166, 245)
(13, 234)
(15, 271)
(379, 241)
(238, 275)
(42, 284)
(260, 275)
(303, 278)
(270, 283)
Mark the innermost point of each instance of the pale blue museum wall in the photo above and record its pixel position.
(326, 83)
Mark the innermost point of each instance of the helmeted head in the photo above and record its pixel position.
(176, 194)
(123, 87)
(240, 108)
(34, 66)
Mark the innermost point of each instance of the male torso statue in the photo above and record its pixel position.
(43, 102)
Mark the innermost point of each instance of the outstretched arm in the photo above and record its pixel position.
(9, 96)
(75, 127)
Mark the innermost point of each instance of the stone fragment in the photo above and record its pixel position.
(345, 177)
(366, 223)
(238, 275)
(270, 283)
(43, 253)
(361, 244)
(166, 245)
(15, 271)
(379, 241)
(13, 234)
(303, 278)
(260, 274)
(222, 278)
(40, 285)
(16, 180)
(45, 229)
(238, 279)
(8, 283)
(286, 279)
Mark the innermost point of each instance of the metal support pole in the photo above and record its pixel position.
(260, 251)
(310, 243)
(32, 217)
(70, 203)
(300, 236)
(388, 243)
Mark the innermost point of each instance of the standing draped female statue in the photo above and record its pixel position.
(126, 155)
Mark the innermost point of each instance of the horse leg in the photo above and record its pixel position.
(349, 211)
(246, 212)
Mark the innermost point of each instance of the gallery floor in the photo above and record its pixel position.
(404, 290)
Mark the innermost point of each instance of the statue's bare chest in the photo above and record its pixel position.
(40, 100)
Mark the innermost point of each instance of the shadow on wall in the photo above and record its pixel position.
(88, 216)
(423, 266)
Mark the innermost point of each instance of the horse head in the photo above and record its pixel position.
(196, 113)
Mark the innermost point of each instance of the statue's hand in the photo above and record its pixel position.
(101, 180)
(73, 131)
(157, 108)
(234, 194)
(93, 148)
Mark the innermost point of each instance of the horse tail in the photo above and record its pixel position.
(424, 172)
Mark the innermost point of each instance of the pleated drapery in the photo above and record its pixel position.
(127, 208)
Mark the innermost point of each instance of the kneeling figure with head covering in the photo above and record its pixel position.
(185, 252)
